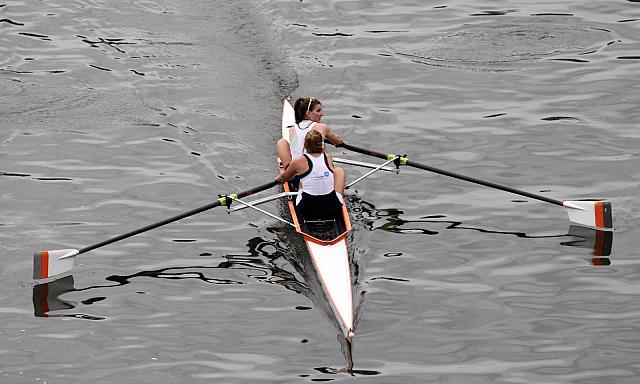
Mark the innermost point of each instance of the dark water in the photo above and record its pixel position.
(116, 114)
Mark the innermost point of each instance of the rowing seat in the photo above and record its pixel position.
(323, 229)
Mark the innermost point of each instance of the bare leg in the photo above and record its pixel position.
(339, 179)
(284, 152)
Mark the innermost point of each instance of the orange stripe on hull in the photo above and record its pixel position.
(345, 324)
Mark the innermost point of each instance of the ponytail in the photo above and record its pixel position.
(303, 105)
(313, 142)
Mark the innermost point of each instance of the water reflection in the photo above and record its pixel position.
(599, 242)
(47, 298)
(299, 259)
(260, 264)
(263, 262)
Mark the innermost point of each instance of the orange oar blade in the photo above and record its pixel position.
(590, 213)
(51, 263)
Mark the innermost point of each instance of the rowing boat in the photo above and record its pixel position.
(327, 245)
(325, 240)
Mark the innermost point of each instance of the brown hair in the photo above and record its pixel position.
(313, 142)
(304, 105)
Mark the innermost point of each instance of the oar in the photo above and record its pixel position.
(54, 262)
(589, 213)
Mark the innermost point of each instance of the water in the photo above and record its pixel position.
(118, 114)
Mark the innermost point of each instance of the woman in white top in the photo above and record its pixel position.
(322, 183)
(308, 113)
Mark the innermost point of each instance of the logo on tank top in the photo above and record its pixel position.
(321, 177)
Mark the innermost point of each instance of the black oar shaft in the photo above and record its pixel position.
(192, 212)
(452, 174)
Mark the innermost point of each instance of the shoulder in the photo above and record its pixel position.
(322, 128)
(299, 163)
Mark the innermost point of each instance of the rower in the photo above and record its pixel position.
(308, 113)
(322, 183)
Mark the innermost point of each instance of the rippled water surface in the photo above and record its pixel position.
(117, 114)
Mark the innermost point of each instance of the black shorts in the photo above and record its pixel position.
(321, 207)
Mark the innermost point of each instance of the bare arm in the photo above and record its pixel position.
(285, 176)
(293, 169)
(328, 134)
(335, 139)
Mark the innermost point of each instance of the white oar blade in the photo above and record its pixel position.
(588, 213)
(51, 263)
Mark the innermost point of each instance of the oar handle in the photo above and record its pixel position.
(364, 151)
(217, 203)
(429, 168)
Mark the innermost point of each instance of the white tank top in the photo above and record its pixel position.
(318, 180)
(297, 134)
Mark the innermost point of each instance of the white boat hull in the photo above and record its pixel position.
(330, 258)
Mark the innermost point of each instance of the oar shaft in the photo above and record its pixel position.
(192, 212)
(452, 174)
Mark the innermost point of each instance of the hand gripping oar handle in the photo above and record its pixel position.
(405, 161)
(221, 201)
